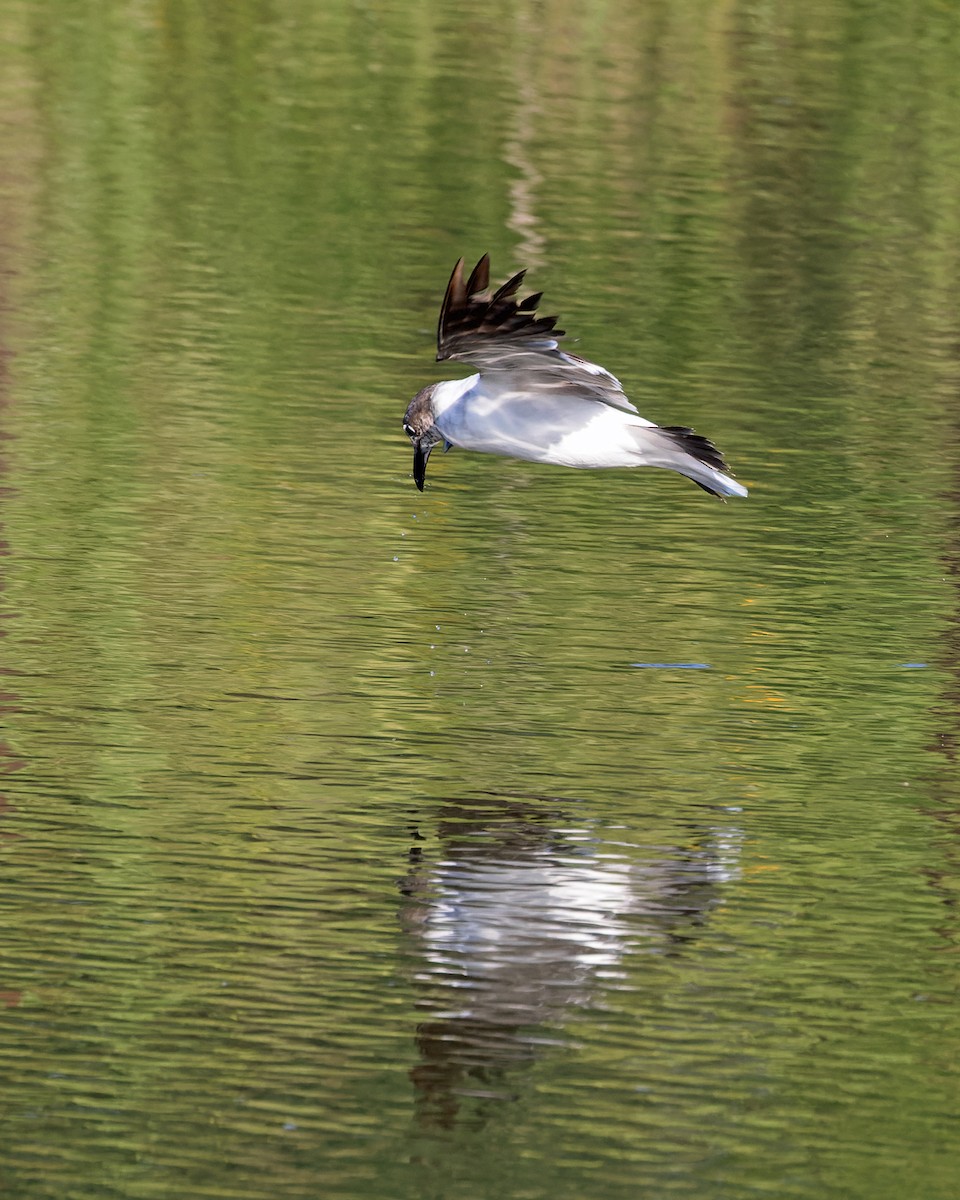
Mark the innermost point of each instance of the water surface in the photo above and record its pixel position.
(548, 834)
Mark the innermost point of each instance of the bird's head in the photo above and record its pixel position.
(419, 426)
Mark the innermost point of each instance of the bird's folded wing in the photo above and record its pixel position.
(496, 333)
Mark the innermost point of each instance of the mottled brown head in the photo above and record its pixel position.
(419, 427)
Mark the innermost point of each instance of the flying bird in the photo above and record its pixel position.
(532, 400)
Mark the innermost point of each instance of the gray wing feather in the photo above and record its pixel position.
(495, 333)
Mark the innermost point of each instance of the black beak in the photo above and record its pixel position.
(420, 456)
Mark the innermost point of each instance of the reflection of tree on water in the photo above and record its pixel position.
(9, 760)
(524, 913)
(523, 220)
(946, 724)
(947, 736)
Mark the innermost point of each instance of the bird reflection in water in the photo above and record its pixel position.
(521, 913)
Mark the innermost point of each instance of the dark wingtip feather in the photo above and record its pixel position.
(479, 279)
(467, 314)
(509, 288)
(453, 298)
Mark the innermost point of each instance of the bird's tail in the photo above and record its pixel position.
(680, 449)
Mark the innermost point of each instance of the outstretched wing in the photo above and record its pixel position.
(498, 333)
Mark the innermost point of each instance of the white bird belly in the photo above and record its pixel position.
(565, 431)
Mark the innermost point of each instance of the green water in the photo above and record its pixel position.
(357, 843)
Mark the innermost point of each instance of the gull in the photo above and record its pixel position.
(532, 400)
